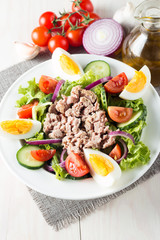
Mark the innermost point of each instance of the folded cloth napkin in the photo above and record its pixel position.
(60, 213)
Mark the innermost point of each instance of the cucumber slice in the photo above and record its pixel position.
(136, 117)
(99, 67)
(103, 99)
(26, 160)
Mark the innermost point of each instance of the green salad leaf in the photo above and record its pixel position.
(138, 155)
(39, 111)
(88, 78)
(30, 93)
(61, 173)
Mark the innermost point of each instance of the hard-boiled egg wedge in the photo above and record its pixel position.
(103, 168)
(65, 66)
(19, 128)
(138, 85)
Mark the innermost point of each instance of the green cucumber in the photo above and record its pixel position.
(136, 117)
(99, 67)
(103, 99)
(26, 160)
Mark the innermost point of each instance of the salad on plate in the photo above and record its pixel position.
(83, 123)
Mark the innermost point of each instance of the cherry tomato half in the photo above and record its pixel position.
(58, 41)
(116, 152)
(85, 5)
(46, 19)
(120, 114)
(42, 154)
(116, 84)
(40, 36)
(92, 15)
(75, 36)
(75, 165)
(26, 110)
(47, 84)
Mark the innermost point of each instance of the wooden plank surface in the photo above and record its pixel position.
(135, 215)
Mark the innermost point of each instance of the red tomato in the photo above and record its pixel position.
(116, 84)
(42, 154)
(116, 152)
(47, 84)
(120, 114)
(73, 19)
(40, 36)
(46, 19)
(26, 110)
(89, 15)
(85, 5)
(75, 36)
(58, 41)
(75, 165)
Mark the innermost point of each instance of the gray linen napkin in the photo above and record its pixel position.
(60, 213)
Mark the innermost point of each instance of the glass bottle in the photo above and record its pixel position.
(142, 45)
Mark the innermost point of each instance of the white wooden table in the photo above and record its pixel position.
(135, 215)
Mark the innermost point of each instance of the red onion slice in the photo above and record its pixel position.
(125, 151)
(62, 162)
(102, 80)
(122, 134)
(62, 155)
(103, 37)
(45, 141)
(48, 168)
(57, 89)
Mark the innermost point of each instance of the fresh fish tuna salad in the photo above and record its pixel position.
(79, 121)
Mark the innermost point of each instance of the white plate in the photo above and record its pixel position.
(46, 183)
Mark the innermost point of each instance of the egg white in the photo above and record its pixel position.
(36, 127)
(108, 180)
(58, 71)
(133, 96)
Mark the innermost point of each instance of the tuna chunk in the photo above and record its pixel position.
(79, 122)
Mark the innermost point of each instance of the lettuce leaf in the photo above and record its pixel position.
(30, 93)
(39, 111)
(84, 81)
(138, 155)
(61, 173)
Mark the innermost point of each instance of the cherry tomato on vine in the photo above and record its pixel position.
(75, 36)
(72, 19)
(89, 15)
(40, 36)
(83, 4)
(46, 19)
(58, 41)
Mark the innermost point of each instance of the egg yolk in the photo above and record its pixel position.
(16, 127)
(68, 65)
(137, 83)
(101, 165)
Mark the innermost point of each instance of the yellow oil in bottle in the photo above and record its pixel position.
(142, 47)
